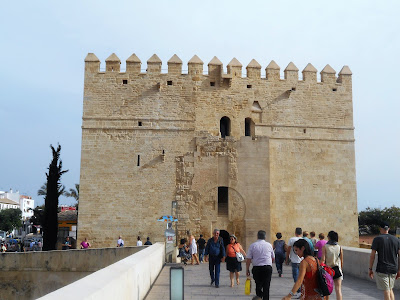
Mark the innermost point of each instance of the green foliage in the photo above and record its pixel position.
(372, 217)
(43, 190)
(53, 189)
(74, 193)
(10, 218)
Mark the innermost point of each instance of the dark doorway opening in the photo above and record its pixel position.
(248, 127)
(223, 201)
(225, 127)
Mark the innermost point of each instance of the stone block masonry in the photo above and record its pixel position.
(217, 150)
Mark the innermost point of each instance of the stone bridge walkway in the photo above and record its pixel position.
(197, 285)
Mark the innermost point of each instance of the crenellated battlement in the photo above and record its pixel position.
(215, 71)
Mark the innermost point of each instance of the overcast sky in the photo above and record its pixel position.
(43, 45)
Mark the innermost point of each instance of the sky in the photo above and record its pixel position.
(43, 45)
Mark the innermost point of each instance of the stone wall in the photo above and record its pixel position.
(151, 139)
(33, 274)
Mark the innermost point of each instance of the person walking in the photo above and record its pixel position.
(307, 279)
(305, 236)
(290, 254)
(280, 253)
(202, 247)
(261, 256)
(232, 264)
(388, 267)
(332, 256)
(215, 253)
(319, 246)
(193, 250)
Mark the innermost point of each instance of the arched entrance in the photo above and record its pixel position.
(225, 127)
(225, 236)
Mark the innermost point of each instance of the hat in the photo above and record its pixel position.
(232, 235)
(384, 225)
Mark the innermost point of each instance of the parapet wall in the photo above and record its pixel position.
(356, 263)
(129, 278)
(215, 69)
(33, 274)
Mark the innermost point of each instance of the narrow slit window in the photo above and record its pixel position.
(212, 83)
(334, 89)
(305, 130)
(140, 123)
(138, 160)
(169, 82)
(249, 86)
(124, 81)
(223, 200)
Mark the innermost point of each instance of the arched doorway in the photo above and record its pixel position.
(225, 236)
(225, 127)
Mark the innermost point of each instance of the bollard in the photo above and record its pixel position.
(176, 283)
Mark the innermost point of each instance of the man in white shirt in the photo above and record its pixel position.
(261, 255)
(120, 242)
(294, 258)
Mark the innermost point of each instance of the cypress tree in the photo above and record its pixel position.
(50, 226)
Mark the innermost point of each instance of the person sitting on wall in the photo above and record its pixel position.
(120, 242)
(148, 242)
(85, 244)
(67, 244)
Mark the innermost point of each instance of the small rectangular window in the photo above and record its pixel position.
(138, 160)
(334, 90)
(212, 83)
(169, 82)
(305, 130)
(140, 123)
(124, 81)
(249, 86)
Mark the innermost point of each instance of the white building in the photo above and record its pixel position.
(25, 203)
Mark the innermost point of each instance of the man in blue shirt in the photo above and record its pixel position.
(215, 250)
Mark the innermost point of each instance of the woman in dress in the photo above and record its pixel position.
(307, 274)
(232, 265)
(193, 249)
(332, 255)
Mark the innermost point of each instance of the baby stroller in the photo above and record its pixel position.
(184, 253)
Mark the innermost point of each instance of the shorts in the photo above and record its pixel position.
(385, 282)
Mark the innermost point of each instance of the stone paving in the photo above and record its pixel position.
(197, 285)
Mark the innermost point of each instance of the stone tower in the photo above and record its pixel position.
(215, 150)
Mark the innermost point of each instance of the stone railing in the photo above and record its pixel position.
(356, 263)
(129, 278)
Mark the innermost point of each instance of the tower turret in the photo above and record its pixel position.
(215, 69)
(309, 73)
(234, 68)
(328, 74)
(195, 66)
(291, 72)
(175, 65)
(273, 71)
(253, 69)
(92, 63)
(133, 64)
(113, 63)
(345, 75)
(154, 65)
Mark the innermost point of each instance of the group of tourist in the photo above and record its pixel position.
(121, 243)
(305, 254)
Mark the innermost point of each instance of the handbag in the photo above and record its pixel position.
(239, 256)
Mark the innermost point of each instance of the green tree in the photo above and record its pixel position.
(74, 193)
(372, 217)
(38, 216)
(10, 218)
(43, 190)
(53, 187)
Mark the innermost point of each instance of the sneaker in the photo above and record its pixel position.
(297, 296)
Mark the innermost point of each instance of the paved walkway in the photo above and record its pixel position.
(197, 285)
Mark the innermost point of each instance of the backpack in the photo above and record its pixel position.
(279, 247)
(325, 281)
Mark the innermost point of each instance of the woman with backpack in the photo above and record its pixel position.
(332, 256)
(307, 279)
(280, 249)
